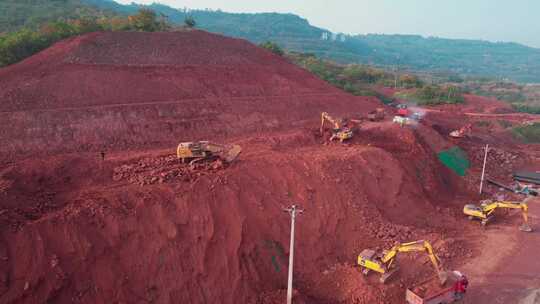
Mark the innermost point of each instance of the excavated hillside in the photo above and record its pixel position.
(140, 227)
(125, 90)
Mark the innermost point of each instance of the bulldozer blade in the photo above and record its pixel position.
(386, 276)
(230, 154)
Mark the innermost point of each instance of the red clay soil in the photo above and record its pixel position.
(478, 104)
(72, 233)
(140, 227)
(125, 90)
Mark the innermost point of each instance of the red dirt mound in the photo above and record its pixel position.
(128, 89)
(141, 227)
(222, 237)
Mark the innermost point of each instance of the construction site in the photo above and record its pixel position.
(155, 168)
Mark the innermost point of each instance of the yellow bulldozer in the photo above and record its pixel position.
(384, 263)
(484, 211)
(204, 150)
(339, 131)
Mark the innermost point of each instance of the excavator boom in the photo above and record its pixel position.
(339, 132)
(383, 265)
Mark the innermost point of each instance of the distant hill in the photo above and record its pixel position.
(464, 57)
(472, 58)
(15, 14)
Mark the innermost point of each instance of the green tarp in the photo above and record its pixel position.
(455, 159)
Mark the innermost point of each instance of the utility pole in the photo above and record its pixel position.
(395, 76)
(396, 68)
(484, 170)
(293, 211)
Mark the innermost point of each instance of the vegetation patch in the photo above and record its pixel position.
(433, 95)
(505, 123)
(356, 79)
(483, 123)
(522, 98)
(528, 133)
(272, 47)
(21, 44)
(526, 108)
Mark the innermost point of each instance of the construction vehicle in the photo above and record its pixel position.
(464, 131)
(484, 211)
(528, 177)
(383, 263)
(427, 292)
(519, 188)
(376, 115)
(401, 120)
(403, 110)
(204, 150)
(339, 131)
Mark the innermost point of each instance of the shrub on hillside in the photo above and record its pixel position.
(145, 20)
(525, 108)
(409, 81)
(434, 95)
(21, 44)
(273, 47)
(528, 134)
(190, 22)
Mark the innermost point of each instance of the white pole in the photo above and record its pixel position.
(293, 212)
(483, 170)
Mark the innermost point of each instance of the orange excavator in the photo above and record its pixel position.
(464, 131)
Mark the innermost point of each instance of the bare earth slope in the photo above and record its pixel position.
(118, 90)
(140, 227)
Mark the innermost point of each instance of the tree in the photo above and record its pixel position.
(273, 47)
(190, 22)
(87, 25)
(410, 81)
(145, 20)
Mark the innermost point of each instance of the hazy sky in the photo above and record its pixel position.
(495, 20)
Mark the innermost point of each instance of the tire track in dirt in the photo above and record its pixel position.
(172, 102)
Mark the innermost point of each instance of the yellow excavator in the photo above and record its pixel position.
(370, 260)
(484, 211)
(205, 150)
(339, 131)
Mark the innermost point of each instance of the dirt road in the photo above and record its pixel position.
(508, 269)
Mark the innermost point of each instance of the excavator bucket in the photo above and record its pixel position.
(387, 276)
(230, 153)
(456, 134)
(443, 277)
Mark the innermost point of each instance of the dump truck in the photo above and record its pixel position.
(376, 115)
(431, 292)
